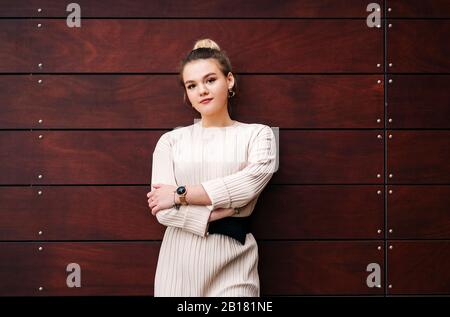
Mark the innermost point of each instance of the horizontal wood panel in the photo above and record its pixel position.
(121, 268)
(156, 101)
(320, 212)
(319, 267)
(342, 269)
(419, 267)
(101, 212)
(419, 157)
(187, 8)
(130, 45)
(91, 157)
(419, 46)
(418, 8)
(17, 41)
(77, 157)
(107, 268)
(77, 213)
(418, 212)
(93, 101)
(312, 101)
(318, 157)
(420, 101)
(15, 157)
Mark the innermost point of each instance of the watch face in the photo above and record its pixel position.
(181, 190)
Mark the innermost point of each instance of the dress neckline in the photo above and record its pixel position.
(199, 124)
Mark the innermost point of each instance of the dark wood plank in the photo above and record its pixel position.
(418, 8)
(419, 101)
(418, 267)
(418, 212)
(107, 268)
(16, 51)
(121, 268)
(91, 157)
(100, 212)
(19, 219)
(15, 157)
(77, 157)
(187, 8)
(339, 157)
(419, 46)
(319, 212)
(419, 157)
(312, 101)
(77, 213)
(93, 101)
(130, 45)
(319, 267)
(156, 101)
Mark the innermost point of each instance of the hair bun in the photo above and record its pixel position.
(206, 43)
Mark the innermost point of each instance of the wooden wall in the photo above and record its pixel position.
(364, 119)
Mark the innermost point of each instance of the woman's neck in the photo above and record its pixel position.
(208, 122)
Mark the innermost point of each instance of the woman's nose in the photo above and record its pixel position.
(203, 89)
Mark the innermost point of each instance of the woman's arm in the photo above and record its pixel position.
(229, 192)
(220, 213)
(238, 189)
(196, 195)
(193, 218)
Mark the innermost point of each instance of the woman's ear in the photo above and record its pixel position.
(230, 79)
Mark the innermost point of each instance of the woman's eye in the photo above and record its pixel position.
(209, 80)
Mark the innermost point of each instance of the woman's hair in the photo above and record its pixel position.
(205, 49)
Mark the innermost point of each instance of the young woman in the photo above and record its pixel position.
(206, 179)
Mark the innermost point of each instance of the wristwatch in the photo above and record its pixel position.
(182, 192)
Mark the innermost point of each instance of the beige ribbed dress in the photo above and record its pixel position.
(233, 164)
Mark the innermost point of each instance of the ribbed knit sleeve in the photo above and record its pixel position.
(191, 218)
(238, 189)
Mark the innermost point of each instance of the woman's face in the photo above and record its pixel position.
(203, 79)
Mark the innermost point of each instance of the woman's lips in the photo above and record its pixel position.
(206, 101)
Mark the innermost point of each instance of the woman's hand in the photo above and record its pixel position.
(220, 213)
(161, 197)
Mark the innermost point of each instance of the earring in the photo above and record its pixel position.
(231, 93)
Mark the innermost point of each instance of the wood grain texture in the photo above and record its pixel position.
(319, 267)
(122, 213)
(189, 8)
(77, 157)
(107, 268)
(156, 101)
(418, 9)
(419, 46)
(127, 268)
(77, 213)
(91, 157)
(418, 212)
(418, 267)
(419, 157)
(137, 45)
(419, 102)
(326, 157)
(319, 212)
